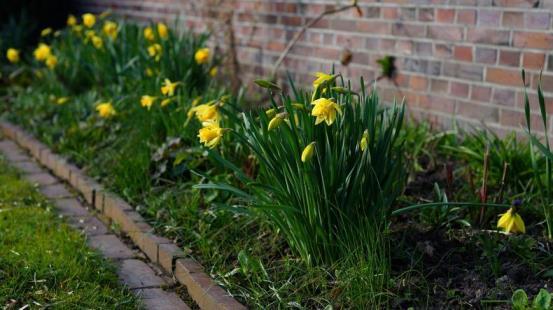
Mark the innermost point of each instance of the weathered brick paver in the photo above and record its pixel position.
(28, 167)
(55, 191)
(41, 179)
(110, 246)
(137, 274)
(70, 207)
(155, 298)
(90, 226)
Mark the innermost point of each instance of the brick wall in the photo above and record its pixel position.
(458, 59)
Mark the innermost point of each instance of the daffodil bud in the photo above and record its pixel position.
(364, 141)
(276, 121)
(271, 113)
(307, 153)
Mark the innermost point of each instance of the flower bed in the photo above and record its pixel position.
(326, 197)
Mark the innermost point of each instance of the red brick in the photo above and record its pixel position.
(481, 93)
(489, 18)
(533, 40)
(503, 76)
(488, 36)
(445, 15)
(426, 14)
(459, 89)
(389, 13)
(538, 20)
(448, 33)
(532, 60)
(466, 17)
(513, 19)
(463, 53)
(485, 55)
(417, 82)
(509, 58)
(485, 113)
(439, 86)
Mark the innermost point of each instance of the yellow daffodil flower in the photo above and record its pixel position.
(168, 88)
(149, 72)
(165, 102)
(62, 100)
(51, 62)
(45, 32)
(42, 52)
(12, 55)
(163, 31)
(210, 134)
(154, 51)
(325, 110)
(271, 113)
(97, 42)
(89, 20)
(147, 101)
(213, 72)
(364, 141)
(511, 222)
(71, 20)
(206, 112)
(110, 29)
(105, 110)
(196, 101)
(276, 121)
(149, 34)
(308, 152)
(202, 55)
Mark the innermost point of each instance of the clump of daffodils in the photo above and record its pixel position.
(511, 221)
(155, 51)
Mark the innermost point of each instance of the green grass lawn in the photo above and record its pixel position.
(43, 262)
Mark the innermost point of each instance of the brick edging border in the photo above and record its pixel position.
(162, 251)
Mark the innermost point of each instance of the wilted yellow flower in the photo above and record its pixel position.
(13, 55)
(105, 110)
(213, 72)
(149, 34)
(154, 51)
(110, 29)
(89, 20)
(308, 152)
(42, 52)
(325, 110)
(45, 32)
(276, 121)
(71, 20)
(202, 55)
(210, 134)
(196, 101)
(364, 140)
(147, 101)
(206, 112)
(168, 87)
(163, 31)
(322, 78)
(62, 100)
(511, 221)
(51, 61)
(97, 42)
(165, 102)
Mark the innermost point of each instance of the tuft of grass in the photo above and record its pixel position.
(44, 262)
